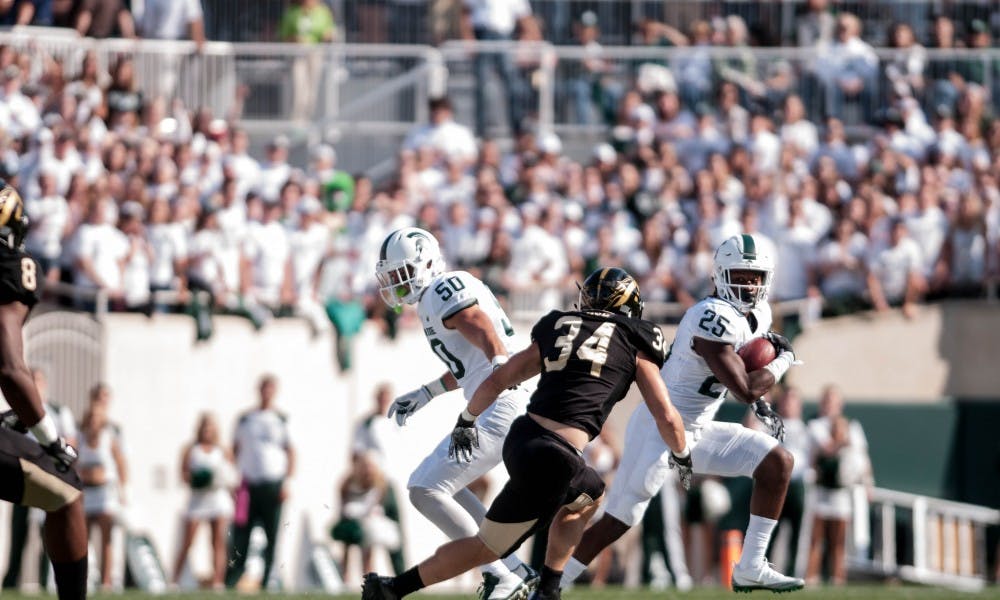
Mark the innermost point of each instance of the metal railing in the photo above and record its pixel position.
(948, 541)
(434, 21)
(367, 97)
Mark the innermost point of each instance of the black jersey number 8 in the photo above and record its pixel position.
(594, 348)
(29, 274)
(719, 329)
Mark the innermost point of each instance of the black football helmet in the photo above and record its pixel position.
(13, 221)
(611, 289)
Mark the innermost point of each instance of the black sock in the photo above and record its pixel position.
(549, 584)
(71, 579)
(408, 582)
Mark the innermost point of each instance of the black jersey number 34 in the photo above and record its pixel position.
(593, 349)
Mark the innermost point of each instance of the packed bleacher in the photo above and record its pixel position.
(160, 206)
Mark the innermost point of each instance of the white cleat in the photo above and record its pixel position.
(510, 587)
(763, 577)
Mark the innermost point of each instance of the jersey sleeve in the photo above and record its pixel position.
(452, 293)
(648, 339)
(716, 322)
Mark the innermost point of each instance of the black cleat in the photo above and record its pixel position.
(376, 587)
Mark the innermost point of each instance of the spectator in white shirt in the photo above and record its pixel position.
(244, 168)
(962, 264)
(895, 272)
(906, 69)
(928, 227)
(838, 270)
(172, 20)
(497, 20)
(796, 244)
(100, 251)
(764, 145)
(21, 116)
(48, 216)
(62, 160)
(137, 260)
(309, 245)
(452, 140)
(268, 254)
(274, 173)
(797, 130)
(538, 262)
(849, 69)
(169, 242)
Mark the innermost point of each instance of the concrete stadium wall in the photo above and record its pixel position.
(949, 349)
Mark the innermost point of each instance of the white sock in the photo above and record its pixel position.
(571, 571)
(755, 544)
(513, 563)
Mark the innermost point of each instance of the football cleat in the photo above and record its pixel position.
(763, 577)
(510, 587)
(530, 576)
(376, 587)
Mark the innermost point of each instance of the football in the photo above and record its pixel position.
(757, 353)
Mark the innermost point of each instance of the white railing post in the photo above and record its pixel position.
(920, 534)
(888, 537)
(546, 87)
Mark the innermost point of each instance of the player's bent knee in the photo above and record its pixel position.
(503, 538)
(777, 465)
(47, 491)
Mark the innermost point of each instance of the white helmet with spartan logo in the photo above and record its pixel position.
(743, 272)
(410, 258)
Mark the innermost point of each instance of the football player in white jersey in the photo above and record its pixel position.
(469, 331)
(701, 367)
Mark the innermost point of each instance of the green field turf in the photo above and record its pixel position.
(858, 592)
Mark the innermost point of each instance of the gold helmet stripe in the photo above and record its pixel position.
(624, 295)
(10, 201)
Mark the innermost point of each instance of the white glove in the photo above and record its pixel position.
(409, 403)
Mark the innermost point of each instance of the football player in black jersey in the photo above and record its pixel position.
(588, 359)
(38, 474)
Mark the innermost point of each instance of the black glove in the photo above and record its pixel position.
(772, 420)
(780, 342)
(10, 420)
(464, 437)
(684, 468)
(62, 453)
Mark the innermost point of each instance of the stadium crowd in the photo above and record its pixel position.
(133, 195)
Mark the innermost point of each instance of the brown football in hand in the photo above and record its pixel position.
(757, 353)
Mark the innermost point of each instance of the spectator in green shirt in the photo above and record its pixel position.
(307, 22)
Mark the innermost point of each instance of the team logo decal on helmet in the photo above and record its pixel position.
(743, 272)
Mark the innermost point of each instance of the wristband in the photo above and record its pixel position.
(467, 416)
(780, 365)
(686, 452)
(498, 361)
(436, 387)
(45, 431)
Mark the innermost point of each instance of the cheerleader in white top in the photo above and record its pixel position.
(206, 467)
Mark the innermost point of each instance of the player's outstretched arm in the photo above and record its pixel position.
(522, 366)
(728, 368)
(475, 326)
(657, 398)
